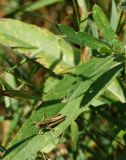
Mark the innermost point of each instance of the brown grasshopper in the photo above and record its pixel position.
(50, 122)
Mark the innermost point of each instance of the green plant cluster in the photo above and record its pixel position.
(78, 73)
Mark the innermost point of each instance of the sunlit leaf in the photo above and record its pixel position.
(49, 50)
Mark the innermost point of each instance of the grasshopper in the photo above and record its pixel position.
(50, 122)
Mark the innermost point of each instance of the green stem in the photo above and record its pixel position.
(76, 12)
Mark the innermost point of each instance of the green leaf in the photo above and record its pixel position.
(74, 135)
(6, 84)
(93, 28)
(49, 83)
(104, 26)
(28, 134)
(115, 91)
(98, 86)
(90, 76)
(118, 137)
(40, 3)
(84, 14)
(27, 142)
(75, 84)
(19, 94)
(13, 9)
(99, 101)
(50, 50)
(82, 38)
(114, 21)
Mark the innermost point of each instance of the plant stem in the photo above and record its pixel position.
(76, 12)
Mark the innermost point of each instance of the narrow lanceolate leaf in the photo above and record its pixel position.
(114, 21)
(83, 38)
(50, 50)
(19, 94)
(64, 100)
(39, 4)
(105, 27)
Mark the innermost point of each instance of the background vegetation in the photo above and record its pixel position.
(63, 57)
